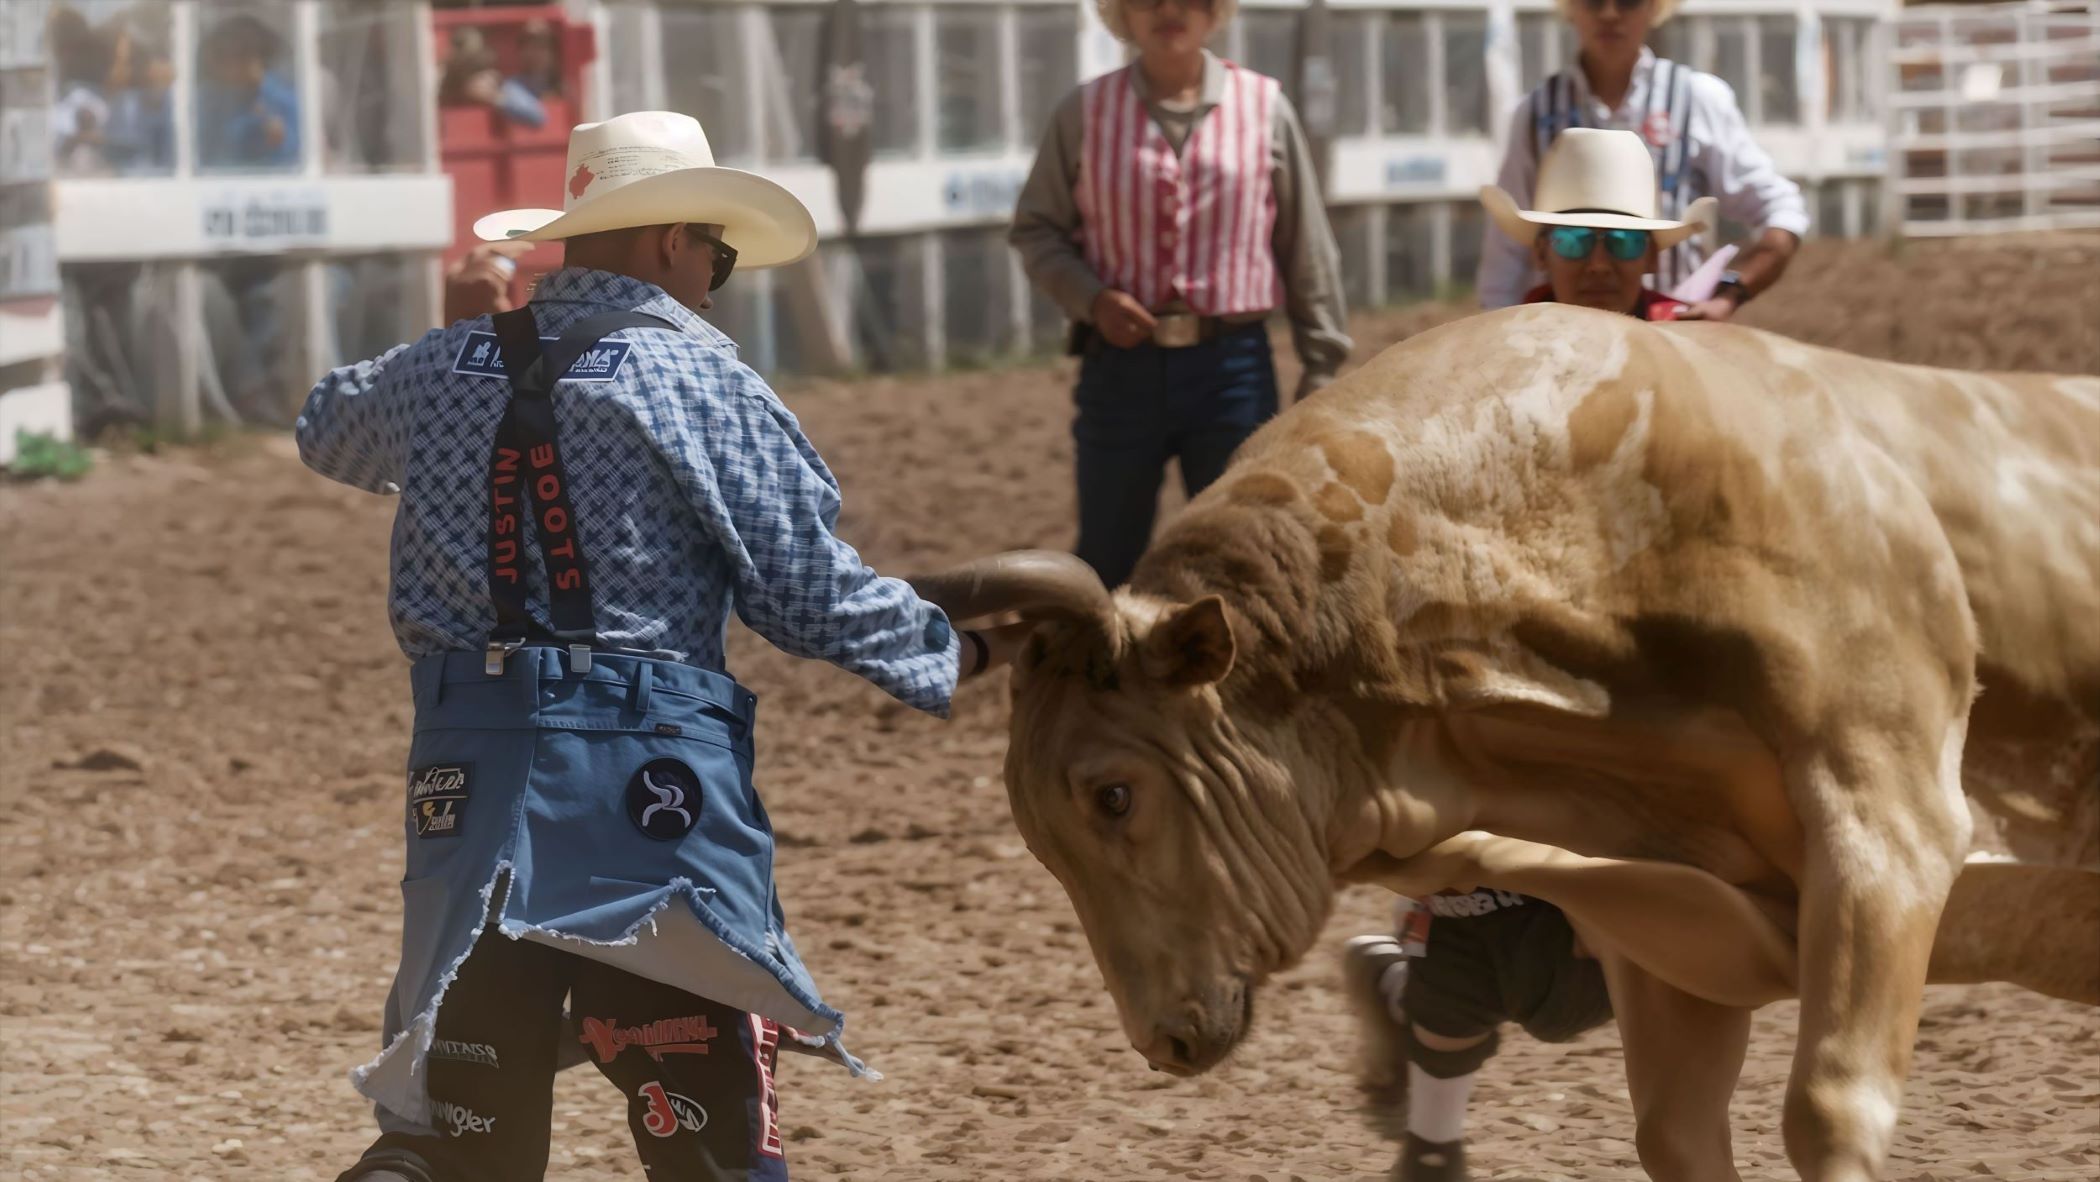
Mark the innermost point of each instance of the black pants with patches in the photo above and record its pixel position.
(698, 1075)
(1515, 963)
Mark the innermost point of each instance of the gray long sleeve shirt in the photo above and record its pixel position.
(1047, 221)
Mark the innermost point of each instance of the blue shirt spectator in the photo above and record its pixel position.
(247, 111)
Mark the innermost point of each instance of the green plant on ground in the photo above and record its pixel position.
(40, 454)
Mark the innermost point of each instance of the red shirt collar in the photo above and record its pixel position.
(1653, 305)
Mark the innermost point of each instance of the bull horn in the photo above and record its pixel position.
(1037, 584)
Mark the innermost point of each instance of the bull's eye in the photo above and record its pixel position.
(1113, 799)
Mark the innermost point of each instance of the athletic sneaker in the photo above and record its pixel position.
(1374, 971)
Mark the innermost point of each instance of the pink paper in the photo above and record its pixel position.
(1701, 283)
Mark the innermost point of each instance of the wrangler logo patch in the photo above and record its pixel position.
(437, 799)
(482, 357)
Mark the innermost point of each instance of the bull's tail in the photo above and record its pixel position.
(2035, 926)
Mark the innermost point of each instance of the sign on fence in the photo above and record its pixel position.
(270, 219)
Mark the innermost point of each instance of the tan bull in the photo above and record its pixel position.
(1685, 594)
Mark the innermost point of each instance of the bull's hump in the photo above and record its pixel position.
(1492, 459)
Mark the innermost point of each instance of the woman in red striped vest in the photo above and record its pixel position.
(1172, 207)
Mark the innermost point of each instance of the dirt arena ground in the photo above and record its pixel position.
(205, 723)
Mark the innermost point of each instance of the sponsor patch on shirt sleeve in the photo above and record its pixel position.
(481, 356)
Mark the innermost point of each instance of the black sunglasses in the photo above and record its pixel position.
(1621, 5)
(725, 255)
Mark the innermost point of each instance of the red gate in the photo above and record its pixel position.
(496, 160)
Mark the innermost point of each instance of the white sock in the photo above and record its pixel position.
(1436, 1108)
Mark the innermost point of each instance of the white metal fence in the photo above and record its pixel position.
(963, 89)
(1995, 117)
(202, 285)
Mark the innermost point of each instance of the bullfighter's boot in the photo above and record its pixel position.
(1431, 1161)
(1374, 968)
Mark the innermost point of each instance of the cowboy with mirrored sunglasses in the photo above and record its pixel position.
(1699, 144)
(1595, 233)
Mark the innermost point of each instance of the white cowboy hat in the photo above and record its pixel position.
(1118, 23)
(654, 168)
(1664, 10)
(1592, 177)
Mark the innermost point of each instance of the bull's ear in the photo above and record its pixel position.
(1190, 645)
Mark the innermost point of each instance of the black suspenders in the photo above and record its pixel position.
(528, 483)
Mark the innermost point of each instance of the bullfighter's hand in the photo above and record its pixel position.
(1118, 316)
(1002, 645)
(1455, 864)
(1717, 308)
(479, 283)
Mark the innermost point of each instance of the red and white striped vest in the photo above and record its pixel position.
(1195, 226)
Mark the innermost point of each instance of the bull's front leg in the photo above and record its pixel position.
(1684, 1055)
(1886, 832)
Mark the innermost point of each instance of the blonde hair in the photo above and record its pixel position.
(1664, 10)
(1222, 12)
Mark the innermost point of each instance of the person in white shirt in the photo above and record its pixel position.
(1691, 123)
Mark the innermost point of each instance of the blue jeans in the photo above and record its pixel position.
(1139, 407)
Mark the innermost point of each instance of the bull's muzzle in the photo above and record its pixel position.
(1206, 1031)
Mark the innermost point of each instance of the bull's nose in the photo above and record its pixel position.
(1178, 1049)
(1192, 1046)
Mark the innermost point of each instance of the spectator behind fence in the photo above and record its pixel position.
(247, 110)
(1694, 131)
(539, 64)
(85, 57)
(113, 113)
(473, 78)
(141, 136)
(1143, 219)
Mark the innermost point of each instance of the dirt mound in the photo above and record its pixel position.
(206, 721)
(2030, 302)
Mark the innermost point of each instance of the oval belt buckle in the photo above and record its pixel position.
(1177, 330)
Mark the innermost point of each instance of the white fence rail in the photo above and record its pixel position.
(1995, 118)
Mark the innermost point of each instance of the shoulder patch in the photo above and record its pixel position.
(481, 356)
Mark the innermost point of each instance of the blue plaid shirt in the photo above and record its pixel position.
(694, 488)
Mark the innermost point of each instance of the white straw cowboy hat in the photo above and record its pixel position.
(1592, 177)
(1664, 10)
(1112, 15)
(654, 168)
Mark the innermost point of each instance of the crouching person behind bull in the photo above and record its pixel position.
(589, 485)
(1464, 964)
(1173, 205)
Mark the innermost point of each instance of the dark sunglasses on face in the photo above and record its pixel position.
(1621, 5)
(1576, 242)
(725, 255)
(1193, 5)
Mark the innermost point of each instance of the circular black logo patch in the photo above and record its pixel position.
(663, 799)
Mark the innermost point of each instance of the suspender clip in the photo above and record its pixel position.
(579, 658)
(493, 656)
